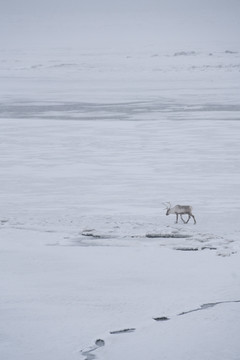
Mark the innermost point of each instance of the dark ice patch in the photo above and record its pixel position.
(168, 236)
(186, 249)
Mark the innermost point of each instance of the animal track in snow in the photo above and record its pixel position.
(88, 353)
(123, 331)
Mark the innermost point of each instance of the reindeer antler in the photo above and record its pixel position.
(167, 206)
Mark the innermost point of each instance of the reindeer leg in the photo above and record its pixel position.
(194, 219)
(182, 219)
(176, 218)
(189, 216)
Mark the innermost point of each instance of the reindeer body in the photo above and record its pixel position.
(181, 210)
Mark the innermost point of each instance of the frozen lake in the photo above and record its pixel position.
(91, 146)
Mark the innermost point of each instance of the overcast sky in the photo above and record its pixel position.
(118, 23)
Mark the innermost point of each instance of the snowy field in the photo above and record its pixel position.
(91, 146)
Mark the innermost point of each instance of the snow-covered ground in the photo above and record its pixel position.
(91, 146)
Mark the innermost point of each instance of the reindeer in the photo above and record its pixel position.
(180, 210)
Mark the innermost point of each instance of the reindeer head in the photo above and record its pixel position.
(168, 207)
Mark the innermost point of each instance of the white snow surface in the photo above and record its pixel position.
(91, 146)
